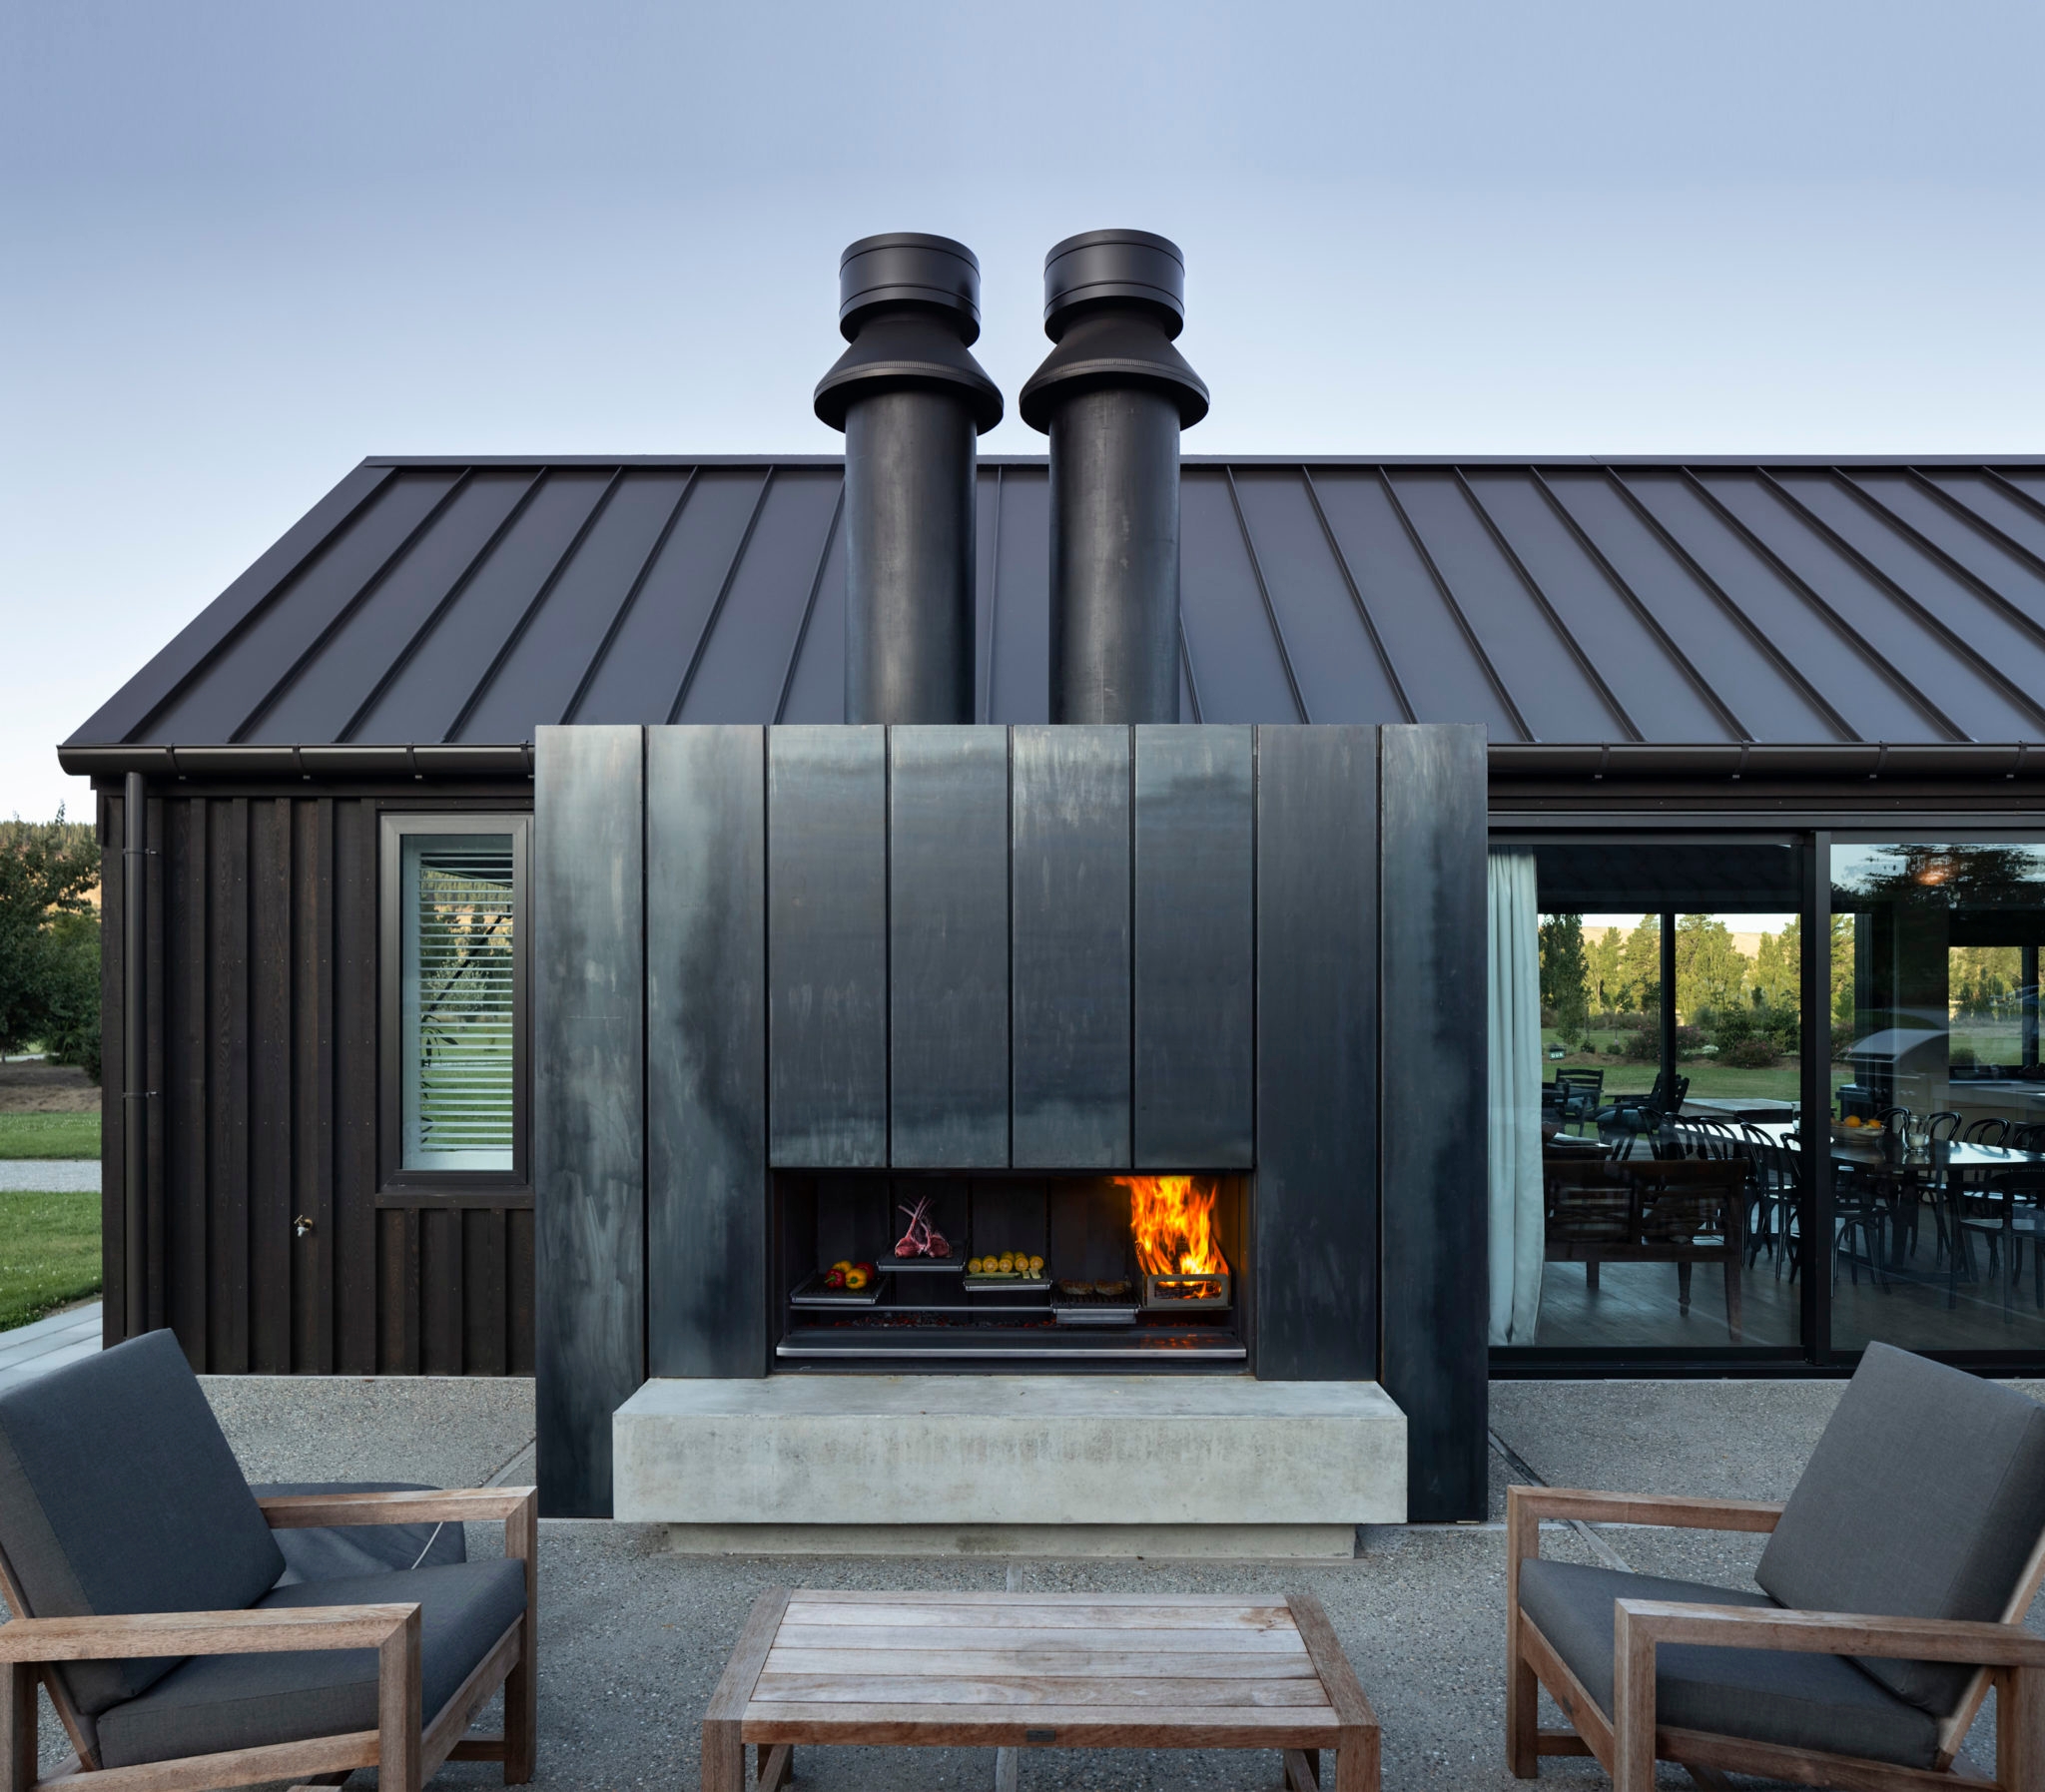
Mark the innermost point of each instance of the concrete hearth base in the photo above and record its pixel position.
(1142, 1543)
(1026, 1465)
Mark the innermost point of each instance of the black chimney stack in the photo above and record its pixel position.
(911, 401)
(1113, 396)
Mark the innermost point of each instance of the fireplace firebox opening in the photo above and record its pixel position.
(1012, 1269)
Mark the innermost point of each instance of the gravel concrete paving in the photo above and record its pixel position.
(634, 1636)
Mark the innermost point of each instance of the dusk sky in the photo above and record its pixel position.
(247, 244)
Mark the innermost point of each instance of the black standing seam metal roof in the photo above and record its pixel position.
(446, 607)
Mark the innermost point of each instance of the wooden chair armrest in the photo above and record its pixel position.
(1825, 1633)
(260, 1631)
(297, 1511)
(1673, 1511)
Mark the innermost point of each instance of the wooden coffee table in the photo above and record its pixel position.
(1038, 1670)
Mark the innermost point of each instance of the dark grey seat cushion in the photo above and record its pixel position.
(337, 1552)
(1923, 1499)
(1804, 1701)
(119, 1493)
(215, 1702)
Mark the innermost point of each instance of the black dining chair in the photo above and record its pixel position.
(2028, 1138)
(1987, 1131)
(2006, 1211)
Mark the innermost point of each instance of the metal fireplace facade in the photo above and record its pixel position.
(772, 958)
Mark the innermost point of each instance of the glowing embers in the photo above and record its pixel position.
(1176, 1226)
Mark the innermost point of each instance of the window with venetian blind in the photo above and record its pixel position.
(456, 1038)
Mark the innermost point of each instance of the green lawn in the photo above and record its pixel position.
(49, 1254)
(1709, 1079)
(49, 1136)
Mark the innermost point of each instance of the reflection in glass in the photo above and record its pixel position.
(1646, 1022)
(1938, 1121)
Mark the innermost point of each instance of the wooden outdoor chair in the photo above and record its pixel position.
(183, 1648)
(1892, 1593)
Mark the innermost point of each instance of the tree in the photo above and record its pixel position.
(1641, 964)
(49, 937)
(1710, 971)
(1565, 975)
(1779, 969)
(1608, 978)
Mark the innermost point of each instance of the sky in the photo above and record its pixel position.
(244, 244)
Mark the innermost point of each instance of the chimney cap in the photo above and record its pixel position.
(1114, 265)
(909, 268)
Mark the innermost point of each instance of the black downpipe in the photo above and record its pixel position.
(133, 1057)
(910, 401)
(1113, 396)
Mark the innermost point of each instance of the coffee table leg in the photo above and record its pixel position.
(1303, 1769)
(724, 1756)
(776, 1766)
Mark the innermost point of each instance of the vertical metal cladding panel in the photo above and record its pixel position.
(1431, 996)
(827, 947)
(1316, 1260)
(706, 1052)
(588, 1042)
(1194, 947)
(1071, 1032)
(947, 960)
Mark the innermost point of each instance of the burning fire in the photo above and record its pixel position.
(1172, 1217)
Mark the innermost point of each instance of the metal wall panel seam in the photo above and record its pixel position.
(1448, 596)
(1369, 622)
(731, 573)
(1738, 616)
(631, 597)
(827, 947)
(1893, 675)
(434, 617)
(801, 633)
(1960, 644)
(362, 595)
(1647, 619)
(1250, 543)
(510, 642)
(947, 947)
(1571, 644)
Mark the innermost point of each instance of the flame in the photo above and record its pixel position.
(1172, 1219)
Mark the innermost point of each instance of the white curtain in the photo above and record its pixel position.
(1517, 1225)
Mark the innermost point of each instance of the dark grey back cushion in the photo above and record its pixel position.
(119, 1493)
(1923, 1499)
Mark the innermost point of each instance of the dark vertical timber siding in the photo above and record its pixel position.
(261, 984)
(948, 960)
(827, 947)
(112, 1143)
(588, 1049)
(1070, 948)
(1194, 950)
(706, 1052)
(1317, 1051)
(1432, 998)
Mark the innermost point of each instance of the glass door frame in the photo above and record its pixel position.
(1556, 1361)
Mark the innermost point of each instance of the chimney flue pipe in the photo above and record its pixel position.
(1113, 396)
(910, 401)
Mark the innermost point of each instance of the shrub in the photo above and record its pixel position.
(1642, 1047)
(1756, 1052)
(1688, 1040)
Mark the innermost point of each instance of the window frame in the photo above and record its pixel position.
(411, 1187)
